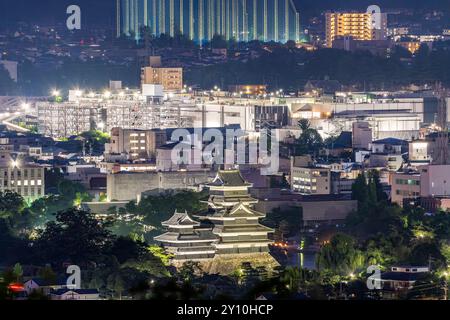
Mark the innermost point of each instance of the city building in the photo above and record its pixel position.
(361, 135)
(358, 25)
(387, 153)
(248, 89)
(134, 143)
(434, 180)
(201, 20)
(306, 178)
(418, 153)
(170, 78)
(127, 186)
(404, 185)
(376, 47)
(330, 209)
(22, 177)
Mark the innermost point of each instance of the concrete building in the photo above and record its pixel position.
(361, 135)
(387, 153)
(434, 180)
(170, 78)
(355, 24)
(61, 120)
(188, 157)
(17, 175)
(428, 182)
(126, 186)
(309, 179)
(315, 209)
(418, 153)
(404, 185)
(134, 143)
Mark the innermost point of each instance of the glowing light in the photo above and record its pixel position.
(55, 93)
(16, 287)
(14, 163)
(25, 106)
(107, 94)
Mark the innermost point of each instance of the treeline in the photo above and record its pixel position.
(291, 68)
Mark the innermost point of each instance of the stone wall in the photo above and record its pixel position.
(129, 186)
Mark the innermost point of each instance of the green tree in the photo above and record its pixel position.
(190, 270)
(341, 255)
(18, 271)
(76, 235)
(11, 203)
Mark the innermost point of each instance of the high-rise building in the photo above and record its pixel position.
(200, 20)
(359, 26)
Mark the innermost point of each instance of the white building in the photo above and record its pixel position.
(26, 179)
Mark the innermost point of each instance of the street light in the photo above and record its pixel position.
(25, 106)
(55, 93)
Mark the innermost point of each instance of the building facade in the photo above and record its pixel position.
(309, 179)
(170, 78)
(201, 20)
(404, 185)
(26, 179)
(358, 25)
(135, 144)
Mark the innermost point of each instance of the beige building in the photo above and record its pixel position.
(434, 180)
(309, 179)
(428, 181)
(26, 179)
(355, 24)
(136, 144)
(404, 186)
(170, 78)
(361, 135)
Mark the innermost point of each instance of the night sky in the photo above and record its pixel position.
(101, 12)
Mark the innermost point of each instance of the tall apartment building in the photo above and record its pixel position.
(357, 25)
(26, 179)
(200, 20)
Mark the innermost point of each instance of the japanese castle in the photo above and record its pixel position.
(229, 227)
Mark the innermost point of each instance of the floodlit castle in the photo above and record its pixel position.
(225, 235)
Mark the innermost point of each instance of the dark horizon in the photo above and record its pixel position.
(101, 12)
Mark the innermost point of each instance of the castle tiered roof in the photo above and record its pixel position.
(180, 219)
(229, 178)
(230, 226)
